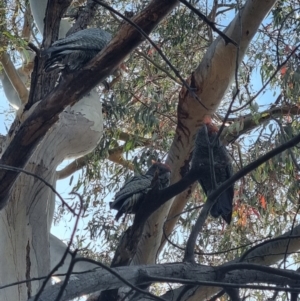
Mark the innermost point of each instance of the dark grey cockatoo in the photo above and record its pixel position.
(131, 195)
(76, 50)
(222, 169)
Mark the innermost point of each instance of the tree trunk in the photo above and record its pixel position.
(25, 236)
(211, 79)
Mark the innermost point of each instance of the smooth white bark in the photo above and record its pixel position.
(212, 78)
(38, 9)
(26, 220)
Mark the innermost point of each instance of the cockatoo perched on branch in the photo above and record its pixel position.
(74, 51)
(132, 194)
(219, 171)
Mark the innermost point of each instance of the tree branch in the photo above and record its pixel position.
(189, 255)
(209, 23)
(144, 34)
(249, 123)
(42, 83)
(114, 155)
(154, 199)
(100, 280)
(26, 29)
(217, 65)
(85, 16)
(76, 165)
(70, 89)
(14, 77)
(267, 253)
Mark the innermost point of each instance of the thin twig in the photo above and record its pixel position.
(268, 81)
(208, 22)
(236, 81)
(140, 53)
(142, 32)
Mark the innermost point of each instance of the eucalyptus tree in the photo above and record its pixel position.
(173, 64)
